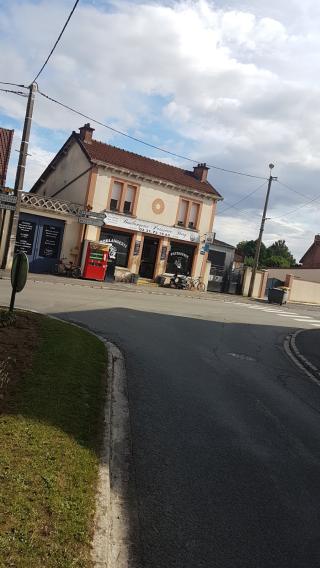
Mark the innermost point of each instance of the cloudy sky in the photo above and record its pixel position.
(232, 83)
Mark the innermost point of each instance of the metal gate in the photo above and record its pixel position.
(41, 239)
(221, 280)
(216, 279)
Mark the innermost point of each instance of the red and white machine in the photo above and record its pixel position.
(95, 260)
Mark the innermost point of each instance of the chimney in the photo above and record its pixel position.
(86, 133)
(201, 172)
(317, 239)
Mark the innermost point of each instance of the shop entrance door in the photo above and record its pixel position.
(148, 257)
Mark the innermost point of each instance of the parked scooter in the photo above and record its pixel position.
(179, 281)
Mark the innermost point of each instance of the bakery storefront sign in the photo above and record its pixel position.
(124, 222)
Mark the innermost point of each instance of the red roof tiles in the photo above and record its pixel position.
(99, 151)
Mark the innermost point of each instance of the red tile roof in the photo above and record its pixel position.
(6, 136)
(99, 151)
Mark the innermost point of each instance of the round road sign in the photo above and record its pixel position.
(19, 271)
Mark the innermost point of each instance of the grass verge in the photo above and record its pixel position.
(50, 439)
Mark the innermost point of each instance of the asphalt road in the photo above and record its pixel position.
(225, 429)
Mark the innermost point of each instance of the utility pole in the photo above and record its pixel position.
(259, 241)
(18, 185)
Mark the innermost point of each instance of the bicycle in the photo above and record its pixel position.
(195, 283)
(69, 269)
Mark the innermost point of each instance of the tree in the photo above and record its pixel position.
(279, 249)
(248, 249)
(277, 254)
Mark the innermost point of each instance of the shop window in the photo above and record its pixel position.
(129, 199)
(193, 217)
(182, 213)
(181, 256)
(120, 243)
(116, 193)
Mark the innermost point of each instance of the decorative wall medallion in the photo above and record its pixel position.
(158, 206)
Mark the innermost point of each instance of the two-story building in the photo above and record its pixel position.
(154, 212)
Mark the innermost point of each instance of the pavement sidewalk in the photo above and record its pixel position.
(124, 287)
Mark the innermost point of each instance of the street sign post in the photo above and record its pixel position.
(7, 201)
(7, 206)
(91, 218)
(90, 221)
(19, 275)
(7, 198)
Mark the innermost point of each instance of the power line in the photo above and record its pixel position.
(13, 84)
(292, 189)
(242, 199)
(57, 41)
(295, 210)
(143, 141)
(21, 93)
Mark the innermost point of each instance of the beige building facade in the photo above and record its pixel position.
(155, 216)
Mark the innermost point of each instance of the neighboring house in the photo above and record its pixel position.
(311, 259)
(221, 255)
(155, 213)
(6, 137)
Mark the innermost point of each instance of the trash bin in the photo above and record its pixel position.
(278, 295)
(134, 278)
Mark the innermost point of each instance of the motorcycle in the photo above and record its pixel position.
(179, 281)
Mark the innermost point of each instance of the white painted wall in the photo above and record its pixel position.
(305, 292)
(69, 167)
(310, 274)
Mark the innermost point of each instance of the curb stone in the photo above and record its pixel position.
(296, 356)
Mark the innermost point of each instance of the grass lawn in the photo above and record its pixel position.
(50, 431)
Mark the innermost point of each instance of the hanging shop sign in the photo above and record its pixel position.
(210, 238)
(149, 228)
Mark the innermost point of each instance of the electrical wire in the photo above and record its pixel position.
(20, 93)
(57, 41)
(13, 84)
(295, 210)
(143, 141)
(292, 189)
(242, 199)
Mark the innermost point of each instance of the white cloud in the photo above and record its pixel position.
(237, 83)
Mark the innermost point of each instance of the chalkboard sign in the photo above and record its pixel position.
(164, 251)
(25, 237)
(136, 249)
(50, 240)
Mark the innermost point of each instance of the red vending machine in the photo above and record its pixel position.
(95, 257)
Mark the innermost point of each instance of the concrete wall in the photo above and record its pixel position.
(306, 292)
(258, 283)
(73, 164)
(310, 274)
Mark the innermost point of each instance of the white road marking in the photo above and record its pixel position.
(287, 315)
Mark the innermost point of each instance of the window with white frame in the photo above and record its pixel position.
(123, 197)
(193, 216)
(182, 213)
(116, 193)
(129, 199)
